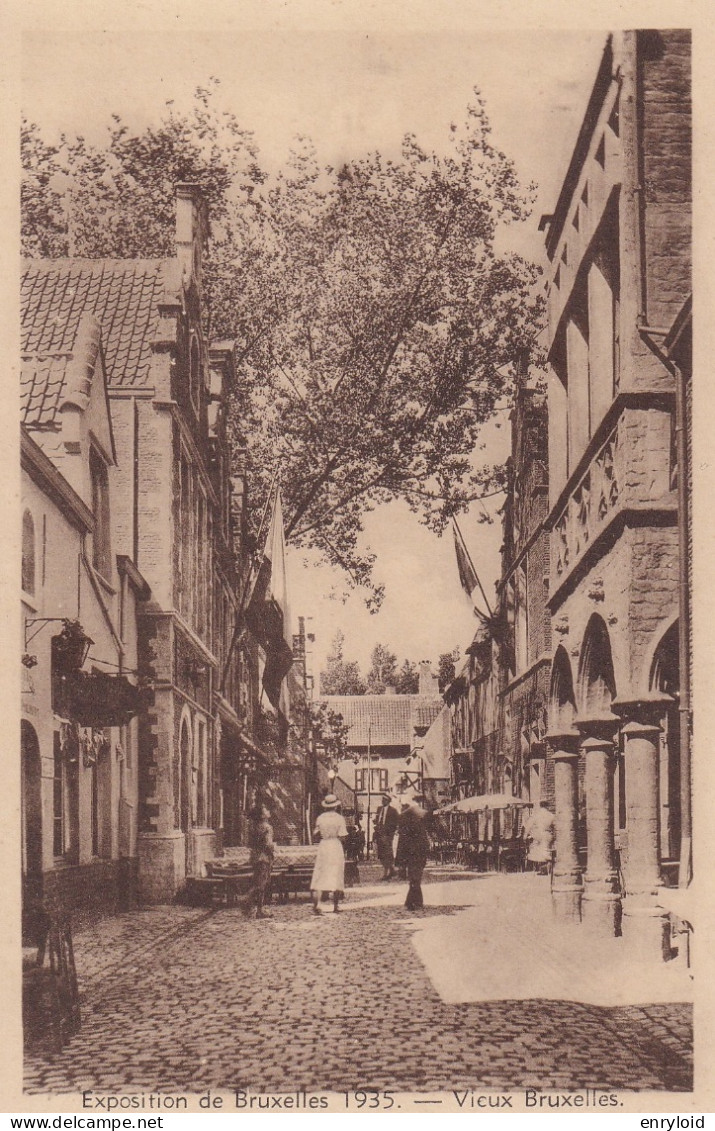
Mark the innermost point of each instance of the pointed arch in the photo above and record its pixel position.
(663, 667)
(562, 701)
(596, 678)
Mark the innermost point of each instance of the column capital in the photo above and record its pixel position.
(635, 729)
(564, 743)
(601, 727)
(593, 742)
(646, 709)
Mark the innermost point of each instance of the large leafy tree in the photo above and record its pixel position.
(341, 676)
(408, 679)
(377, 321)
(383, 670)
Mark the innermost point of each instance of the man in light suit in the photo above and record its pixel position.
(384, 834)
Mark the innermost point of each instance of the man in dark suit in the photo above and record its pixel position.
(414, 848)
(384, 834)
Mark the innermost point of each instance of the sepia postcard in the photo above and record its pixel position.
(361, 518)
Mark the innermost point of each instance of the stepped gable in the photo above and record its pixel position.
(123, 294)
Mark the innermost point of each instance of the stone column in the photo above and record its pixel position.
(601, 905)
(644, 922)
(566, 880)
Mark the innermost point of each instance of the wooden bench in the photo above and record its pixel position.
(293, 878)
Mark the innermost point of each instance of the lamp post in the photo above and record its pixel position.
(369, 788)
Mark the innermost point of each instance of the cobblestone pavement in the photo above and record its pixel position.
(182, 999)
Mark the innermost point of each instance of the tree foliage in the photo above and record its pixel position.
(408, 679)
(329, 732)
(377, 322)
(341, 676)
(447, 668)
(383, 670)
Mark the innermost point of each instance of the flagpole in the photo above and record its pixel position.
(469, 559)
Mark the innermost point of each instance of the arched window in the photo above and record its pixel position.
(28, 554)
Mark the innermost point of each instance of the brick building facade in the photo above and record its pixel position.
(499, 698)
(526, 648)
(619, 247)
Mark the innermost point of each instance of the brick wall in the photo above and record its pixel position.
(664, 79)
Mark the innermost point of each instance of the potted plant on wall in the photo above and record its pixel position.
(71, 646)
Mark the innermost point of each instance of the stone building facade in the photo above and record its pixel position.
(618, 244)
(177, 514)
(81, 693)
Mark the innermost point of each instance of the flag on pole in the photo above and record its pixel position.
(467, 572)
(267, 614)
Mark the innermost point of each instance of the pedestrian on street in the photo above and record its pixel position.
(329, 871)
(359, 841)
(415, 846)
(352, 851)
(400, 860)
(260, 839)
(539, 835)
(384, 834)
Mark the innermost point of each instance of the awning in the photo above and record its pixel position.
(486, 801)
(97, 699)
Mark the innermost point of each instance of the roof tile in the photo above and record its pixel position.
(388, 720)
(122, 294)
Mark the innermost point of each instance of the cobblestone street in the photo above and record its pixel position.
(182, 999)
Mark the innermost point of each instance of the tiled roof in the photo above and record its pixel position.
(388, 718)
(41, 383)
(426, 711)
(123, 294)
(391, 719)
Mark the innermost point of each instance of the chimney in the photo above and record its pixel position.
(429, 684)
(192, 229)
(390, 689)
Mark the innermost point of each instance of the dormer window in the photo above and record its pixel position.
(101, 547)
(28, 554)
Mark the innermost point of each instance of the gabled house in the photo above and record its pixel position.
(176, 514)
(385, 739)
(81, 692)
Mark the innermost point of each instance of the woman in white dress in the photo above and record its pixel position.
(329, 870)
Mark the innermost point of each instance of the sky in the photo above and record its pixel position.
(350, 91)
